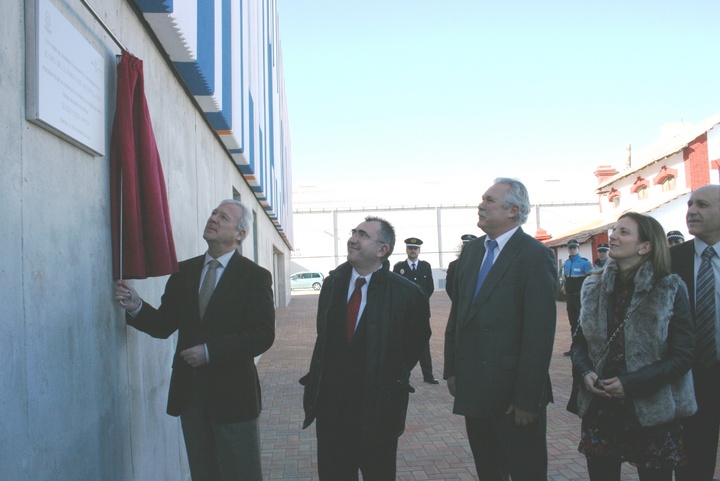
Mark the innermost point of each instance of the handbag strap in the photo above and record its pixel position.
(606, 349)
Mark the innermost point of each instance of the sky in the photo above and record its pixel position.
(397, 95)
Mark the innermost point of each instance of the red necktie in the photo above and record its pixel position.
(353, 308)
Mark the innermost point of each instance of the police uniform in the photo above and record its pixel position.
(419, 272)
(450, 274)
(599, 264)
(575, 270)
(675, 237)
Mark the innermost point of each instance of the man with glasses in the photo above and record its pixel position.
(372, 326)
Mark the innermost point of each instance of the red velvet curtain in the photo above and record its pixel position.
(141, 232)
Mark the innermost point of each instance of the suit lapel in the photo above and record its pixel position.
(687, 272)
(475, 251)
(498, 270)
(195, 267)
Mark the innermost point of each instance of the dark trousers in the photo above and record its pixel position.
(227, 452)
(573, 310)
(700, 431)
(501, 448)
(426, 363)
(342, 453)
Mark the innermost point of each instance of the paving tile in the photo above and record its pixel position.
(434, 446)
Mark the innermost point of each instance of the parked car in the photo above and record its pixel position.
(306, 280)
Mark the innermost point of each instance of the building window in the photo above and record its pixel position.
(668, 184)
(614, 197)
(638, 185)
(666, 179)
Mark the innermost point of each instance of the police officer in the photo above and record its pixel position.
(602, 250)
(675, 237)
(574, 271)
(420, 273)
(449, 276)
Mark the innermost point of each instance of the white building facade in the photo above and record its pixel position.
(657, 181)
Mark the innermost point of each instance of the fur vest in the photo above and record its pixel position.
(646, 333)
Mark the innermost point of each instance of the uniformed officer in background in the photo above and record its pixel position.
(574, 272)
(602, 259)
(449, 276)
(675, 238)
(419, 272)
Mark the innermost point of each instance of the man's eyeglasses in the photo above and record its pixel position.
(363, 235)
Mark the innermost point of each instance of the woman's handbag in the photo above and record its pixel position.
(572, 404)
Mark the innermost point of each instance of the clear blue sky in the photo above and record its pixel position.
(474, 89)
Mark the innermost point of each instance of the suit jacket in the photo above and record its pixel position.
(683, 264)
(499, 345)
(395, 329)
(450, 278)
(239, 324)
(422, 275)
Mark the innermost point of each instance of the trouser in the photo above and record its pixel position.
(700, 431)
(227, 452)
(501, 448)
(426, 363)
(341, 453)
(573, 310)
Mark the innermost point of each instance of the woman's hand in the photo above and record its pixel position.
(613, 387)
(595, 385)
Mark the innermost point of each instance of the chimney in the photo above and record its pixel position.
(628, 162)
(604, 172)
(542, 235)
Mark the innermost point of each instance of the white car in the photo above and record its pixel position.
(306, 280)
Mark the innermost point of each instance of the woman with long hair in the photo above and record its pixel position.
(632, 354)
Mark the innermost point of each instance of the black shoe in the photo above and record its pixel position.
(431, 380)
(567, 353)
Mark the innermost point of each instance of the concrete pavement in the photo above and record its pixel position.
(434, 446)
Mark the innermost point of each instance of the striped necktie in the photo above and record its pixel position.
(705, 313)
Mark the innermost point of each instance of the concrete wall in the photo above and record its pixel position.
(83, 397)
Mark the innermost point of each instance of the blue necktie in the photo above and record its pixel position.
(486, 265)
(705, 310)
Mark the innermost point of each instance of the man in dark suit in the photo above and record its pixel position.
(221, 304)
(419, 272)
(372, 325)
(499, 339)
(700, 431)
(450, 274)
